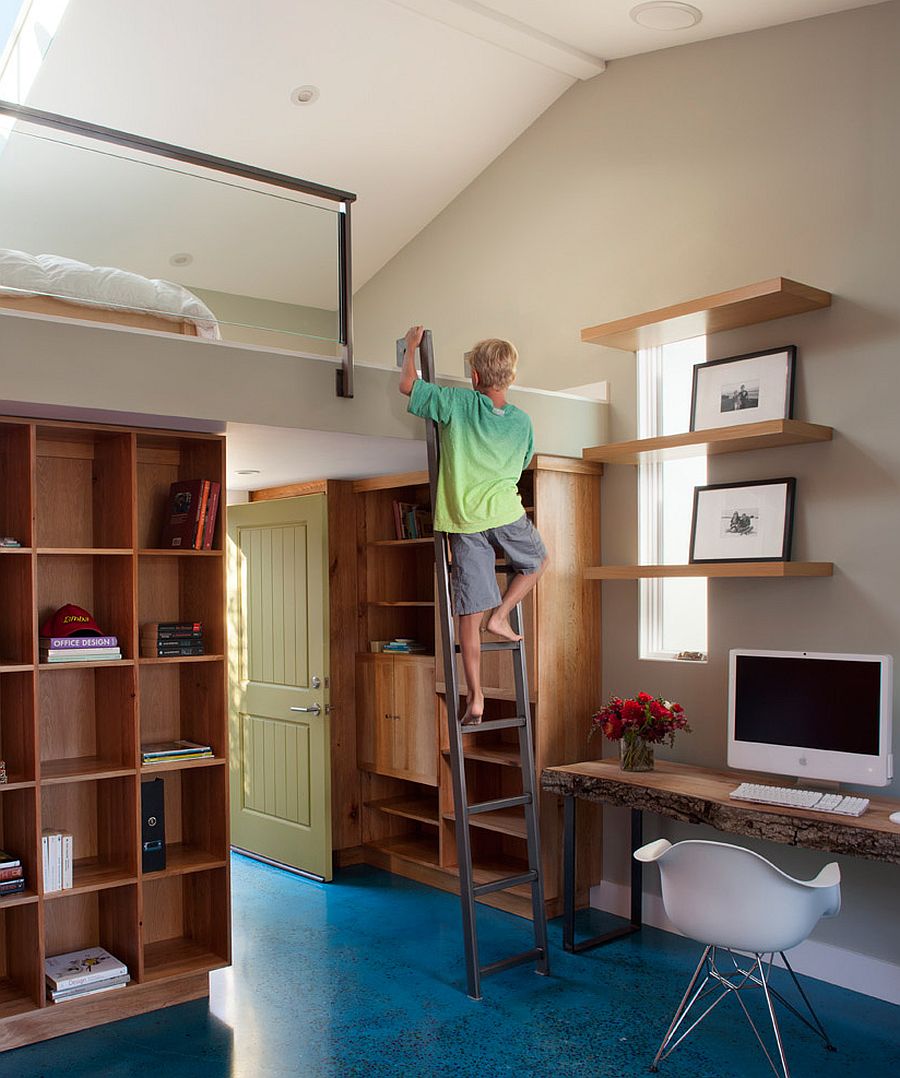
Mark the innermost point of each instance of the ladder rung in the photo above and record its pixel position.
(501, 803)
(504, 884)
(497, 645)
(514, 960)
(491, 724)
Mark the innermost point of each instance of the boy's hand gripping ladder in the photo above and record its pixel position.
(528, 800)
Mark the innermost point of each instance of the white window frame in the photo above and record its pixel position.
(651, 486)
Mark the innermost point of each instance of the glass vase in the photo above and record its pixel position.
(635, 754)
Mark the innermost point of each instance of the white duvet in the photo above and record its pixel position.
(102, 286)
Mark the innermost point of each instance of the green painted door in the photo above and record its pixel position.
(280, 728)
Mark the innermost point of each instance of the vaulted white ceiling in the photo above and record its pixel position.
(417, 97)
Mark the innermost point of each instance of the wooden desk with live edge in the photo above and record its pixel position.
(700, 795)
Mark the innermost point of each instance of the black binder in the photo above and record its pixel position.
(153, 825)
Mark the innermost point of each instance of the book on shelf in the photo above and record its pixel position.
(80, 972)
(57, 996)
(191, 515)
(86, 655)
(78, 643)
(4, 778)
(404, 646)
(171, 639)
(164, 752)
(9, 860)
(412, 521)
(57, 855)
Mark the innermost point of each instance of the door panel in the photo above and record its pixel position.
(280, 728)
(414, 751)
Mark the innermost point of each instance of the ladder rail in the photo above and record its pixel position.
(462, 810)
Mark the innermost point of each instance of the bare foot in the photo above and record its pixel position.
(473, 715)
(500, 626)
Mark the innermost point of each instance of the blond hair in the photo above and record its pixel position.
(495, 361)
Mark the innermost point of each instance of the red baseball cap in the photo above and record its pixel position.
(70, 620)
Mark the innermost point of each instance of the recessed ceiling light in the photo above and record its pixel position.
(247, 471)
(181, 259)
(305, 95)
(666, 15)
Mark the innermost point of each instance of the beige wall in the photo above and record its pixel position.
(99, 369)
(673, 175)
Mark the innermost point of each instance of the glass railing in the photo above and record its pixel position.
(102, 225)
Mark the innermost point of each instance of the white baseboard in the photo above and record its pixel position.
(836, 965)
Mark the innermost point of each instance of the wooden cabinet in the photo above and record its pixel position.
(87, 503)
(396, 733)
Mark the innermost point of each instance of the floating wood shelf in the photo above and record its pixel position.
(183, 765)
(777, 297)
(417, 849)
(82, 768)
(714, 569)
(398, 602)
(770, 434)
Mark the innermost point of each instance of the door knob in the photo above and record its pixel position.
(315, 682)
(314, 710)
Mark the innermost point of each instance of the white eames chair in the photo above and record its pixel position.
(743, 909)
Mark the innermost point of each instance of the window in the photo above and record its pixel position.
(672, 610)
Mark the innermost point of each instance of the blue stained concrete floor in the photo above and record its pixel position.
(365, 977)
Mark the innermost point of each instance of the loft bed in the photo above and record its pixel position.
(51, 285)
(65, 288)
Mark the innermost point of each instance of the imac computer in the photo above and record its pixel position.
(811, 715)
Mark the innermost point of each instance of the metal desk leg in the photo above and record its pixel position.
(569, 942)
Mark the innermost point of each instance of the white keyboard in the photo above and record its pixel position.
(790, 797)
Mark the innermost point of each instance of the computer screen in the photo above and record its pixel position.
(810, 714)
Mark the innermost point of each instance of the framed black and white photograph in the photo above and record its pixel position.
(744, 389)
(743, 521)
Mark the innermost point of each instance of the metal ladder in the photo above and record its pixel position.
(468, 889)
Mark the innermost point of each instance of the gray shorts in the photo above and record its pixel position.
(475, 587)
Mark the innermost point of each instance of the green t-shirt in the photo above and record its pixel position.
(483, 452)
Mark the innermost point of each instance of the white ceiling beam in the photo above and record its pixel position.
(483, 22)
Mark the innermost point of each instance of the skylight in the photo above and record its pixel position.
(27, 29)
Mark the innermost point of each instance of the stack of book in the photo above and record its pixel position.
(83, 973)
(56, 848)
(12, 878)
(3, 777)
(403, 645)
(412, 521)
(171, 639)
(191, 515)
(72, 649)
(167, 752)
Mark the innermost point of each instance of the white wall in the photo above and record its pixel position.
(673, 175)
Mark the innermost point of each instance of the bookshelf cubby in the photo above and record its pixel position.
(104, 841)
(186, 923)
(183, 700)
(195, 833)
(87, 721)
(88, 503)
(83, 484)
(17, 626)
(17, 742)
(21, 980)
(107, 918)
(18, 820)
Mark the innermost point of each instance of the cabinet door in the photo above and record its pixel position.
(374, 710)
(413, 746)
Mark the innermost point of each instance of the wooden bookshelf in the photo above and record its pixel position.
(712, 570)
(777, 297)
(87, 502)
(771, 434)
(402, 746)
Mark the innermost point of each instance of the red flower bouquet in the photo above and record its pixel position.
(639, 723)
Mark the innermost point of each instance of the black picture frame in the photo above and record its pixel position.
(699, 368)
(717, 510)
